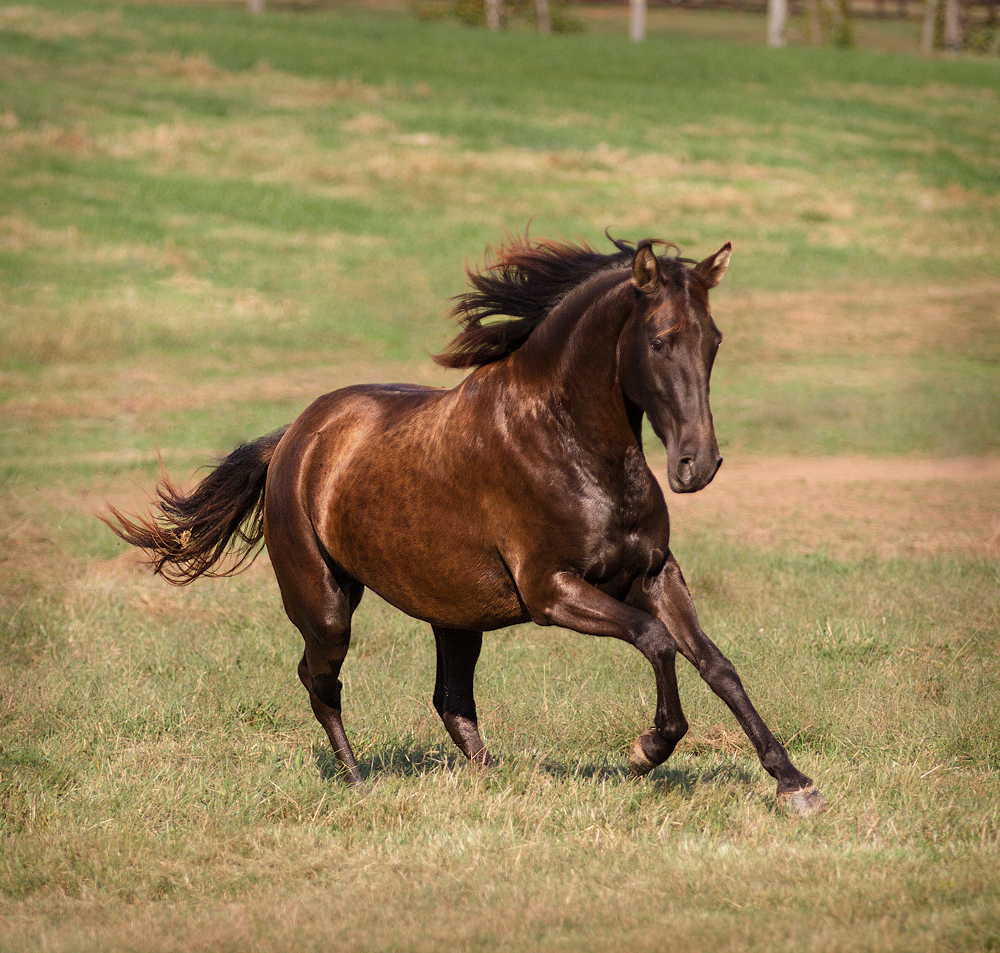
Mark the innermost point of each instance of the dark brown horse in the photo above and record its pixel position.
(521, 494)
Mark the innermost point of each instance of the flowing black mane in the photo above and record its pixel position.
(524, 282)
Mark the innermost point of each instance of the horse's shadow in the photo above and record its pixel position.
(683, 779)
(401, 760)
(417, 759)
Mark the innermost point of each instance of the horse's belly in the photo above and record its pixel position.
(424, 547)
(481, 608)
(443, 583)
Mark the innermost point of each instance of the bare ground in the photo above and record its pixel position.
(848, 506)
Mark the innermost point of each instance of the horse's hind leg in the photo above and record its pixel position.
(319, 600)
(324, 695)
(457, 653)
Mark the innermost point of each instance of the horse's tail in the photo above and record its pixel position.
(222, 516)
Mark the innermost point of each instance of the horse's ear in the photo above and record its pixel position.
(645, 269)
(713, 268)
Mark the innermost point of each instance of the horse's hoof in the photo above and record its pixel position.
(482, 759)
(805, 802)
(638, 760)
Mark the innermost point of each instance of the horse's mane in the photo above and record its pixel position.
(523, 282)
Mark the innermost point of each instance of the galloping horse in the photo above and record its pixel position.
(521, 494)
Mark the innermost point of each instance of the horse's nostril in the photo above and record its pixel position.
(685, 470)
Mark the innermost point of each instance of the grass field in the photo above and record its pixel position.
(206, 220)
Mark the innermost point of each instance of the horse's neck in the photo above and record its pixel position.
(573, 358)
(580, 335)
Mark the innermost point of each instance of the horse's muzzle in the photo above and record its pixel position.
(689, 477)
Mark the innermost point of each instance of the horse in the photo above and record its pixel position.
(522, 494)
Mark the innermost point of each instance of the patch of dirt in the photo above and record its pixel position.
(847, 506)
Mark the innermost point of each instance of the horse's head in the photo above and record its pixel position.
(665, 359)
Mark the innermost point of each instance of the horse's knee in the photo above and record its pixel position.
(656, 643)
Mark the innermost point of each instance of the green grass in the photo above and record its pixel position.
(169, 762)
(183, 182)
(206, 220)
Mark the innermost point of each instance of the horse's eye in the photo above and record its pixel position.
(656, 344)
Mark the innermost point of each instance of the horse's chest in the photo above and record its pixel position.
(617, 560)
(625, 538)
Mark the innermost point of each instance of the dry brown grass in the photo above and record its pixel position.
(849, 507)
(42, 24)
(897, 321)
(626, 899)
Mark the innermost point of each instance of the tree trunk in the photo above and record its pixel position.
(843, 33)
(255, 6)
(542, 12)
(930, 15)
(777, 14)
(637, 20)
(953, 25)
(493, 14)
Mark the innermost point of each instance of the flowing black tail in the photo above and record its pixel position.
(222, 516)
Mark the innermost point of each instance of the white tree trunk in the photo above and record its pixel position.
(542, 13)
(930, 16)
(777, 14)
(637, 20)
(493, 14)
(953, 25)
(255, 6)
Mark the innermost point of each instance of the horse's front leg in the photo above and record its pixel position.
(670, 601)
(567, 600)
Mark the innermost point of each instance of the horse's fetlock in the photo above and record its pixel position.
(671, 728)
(650, 749)
(676, 729)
